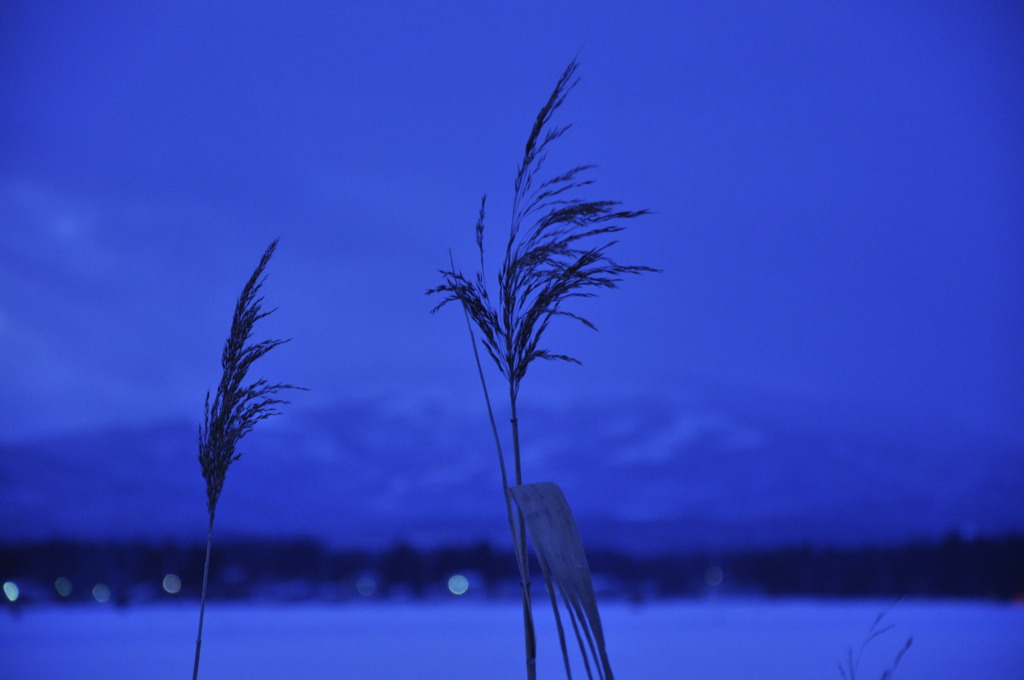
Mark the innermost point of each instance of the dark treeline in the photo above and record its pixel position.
(125, 573)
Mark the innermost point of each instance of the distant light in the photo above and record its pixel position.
(11, 590)
(458, 584)
(63, 586)
(172, 584)
(366, 586)
(101, 593)
(713, 576)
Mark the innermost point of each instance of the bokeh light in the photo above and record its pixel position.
(366, 586)
(458, 584)
(172, 584)
(101, 593)
(713, 575)
(11, 590)
(63, 586)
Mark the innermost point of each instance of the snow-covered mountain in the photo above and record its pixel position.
(649, 474)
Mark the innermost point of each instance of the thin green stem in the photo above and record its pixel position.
(202, 599)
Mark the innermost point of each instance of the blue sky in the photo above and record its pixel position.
(836, 197)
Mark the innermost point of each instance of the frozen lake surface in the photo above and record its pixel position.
(725, 640)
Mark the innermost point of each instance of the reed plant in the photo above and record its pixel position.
(236, 408)
(851, 664)
(557, 250)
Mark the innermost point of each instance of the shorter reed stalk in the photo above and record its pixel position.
(235, 410)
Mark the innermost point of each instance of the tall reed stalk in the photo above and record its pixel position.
(548, 260)
(236, 408)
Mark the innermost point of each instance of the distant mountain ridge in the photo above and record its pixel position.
(647, 475)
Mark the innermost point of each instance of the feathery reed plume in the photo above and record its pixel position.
(236, 407)
(549, 259)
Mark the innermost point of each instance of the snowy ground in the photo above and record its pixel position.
(724, 640)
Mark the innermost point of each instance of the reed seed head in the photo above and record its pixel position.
(236, 408)
(550, 256)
